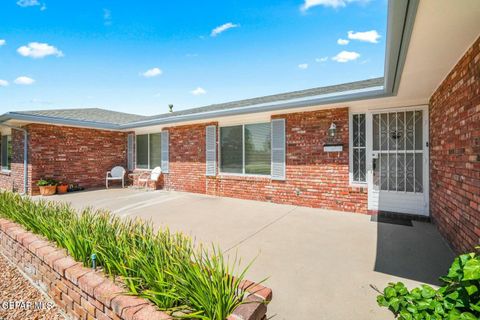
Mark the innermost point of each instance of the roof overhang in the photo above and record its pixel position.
(19, 117)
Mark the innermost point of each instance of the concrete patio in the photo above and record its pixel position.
(319, 262)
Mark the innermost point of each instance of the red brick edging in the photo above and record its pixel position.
(87, 294)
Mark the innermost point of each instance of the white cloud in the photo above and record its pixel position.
(346, 56)
(2, 42)
(24, 80)
(322, 59)
(224, 27)
(327, 3)
(39, 50)
(367, 36)
(3, 83)
(303, 66)
(198, 91)
(343, 42)
(43, 7)
(28, 3)
(152, 73)
(107, 17)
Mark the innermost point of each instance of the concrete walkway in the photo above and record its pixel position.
(320, 263)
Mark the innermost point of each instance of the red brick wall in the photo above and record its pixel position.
(314, 178)
(187, 159)
(455, 153)
(74, 155)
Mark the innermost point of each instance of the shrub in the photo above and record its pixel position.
(458, 298)
(46, 182)
(166, 268)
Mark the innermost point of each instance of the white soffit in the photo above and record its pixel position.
(443, 31)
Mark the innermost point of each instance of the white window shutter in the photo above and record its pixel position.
(278, 149)
(130, 152)
(165, 155)
(211, 150)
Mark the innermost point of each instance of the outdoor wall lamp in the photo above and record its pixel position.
(332, 131)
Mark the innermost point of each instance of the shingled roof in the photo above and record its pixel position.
(300, 94)
(87, 114)
(102, 118)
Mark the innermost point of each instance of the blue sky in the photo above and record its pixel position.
(140, 56)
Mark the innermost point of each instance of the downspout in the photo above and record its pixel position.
(25, 156)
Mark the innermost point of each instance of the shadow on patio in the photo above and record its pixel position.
(415, 252)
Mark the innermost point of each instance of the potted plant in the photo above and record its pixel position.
(47, 187)
(62, 187)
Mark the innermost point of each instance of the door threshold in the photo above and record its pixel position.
(379, 215)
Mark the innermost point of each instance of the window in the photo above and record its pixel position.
(148, 150)
(6, 152)
(359, 148)
(246, 149)
(155, 150)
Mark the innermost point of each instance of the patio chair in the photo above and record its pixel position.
(154, 176)
(117, 173)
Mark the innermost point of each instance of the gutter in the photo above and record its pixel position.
(25, 156)
(378, 93)
(56, 120)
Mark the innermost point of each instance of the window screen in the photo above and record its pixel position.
(359, 148)
(6, 152)
(257, 148)
(231, 149)
(142, 151)
(155, 150)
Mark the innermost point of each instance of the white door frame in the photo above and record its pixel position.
(373, 196)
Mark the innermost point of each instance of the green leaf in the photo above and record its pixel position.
(416, 293)
(467, 316)
(427, 291)
(454, 314)
(390, 292)
(475, 307)
(471, 271)
(382, 302)
(394, 303)
(471, 289)
(455, 268)
(405, 315)
(401, 289)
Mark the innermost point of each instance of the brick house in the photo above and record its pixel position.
(408, 142)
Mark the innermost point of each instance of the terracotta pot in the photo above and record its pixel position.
(61, 189)
(47, 190)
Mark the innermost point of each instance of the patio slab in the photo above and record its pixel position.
(320, 263)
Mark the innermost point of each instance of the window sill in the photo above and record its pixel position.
(357, 184)
(5, 172)
(240, 176)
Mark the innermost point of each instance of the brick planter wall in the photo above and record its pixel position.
(314, 178)
(455, 153)
(86, 294)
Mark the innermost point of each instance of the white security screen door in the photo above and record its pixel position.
(398, 161)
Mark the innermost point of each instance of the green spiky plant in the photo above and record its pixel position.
(167, 268)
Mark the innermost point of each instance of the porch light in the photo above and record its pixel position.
(332, 131)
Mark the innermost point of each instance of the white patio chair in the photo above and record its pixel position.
(154, 175)
(117, 173)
